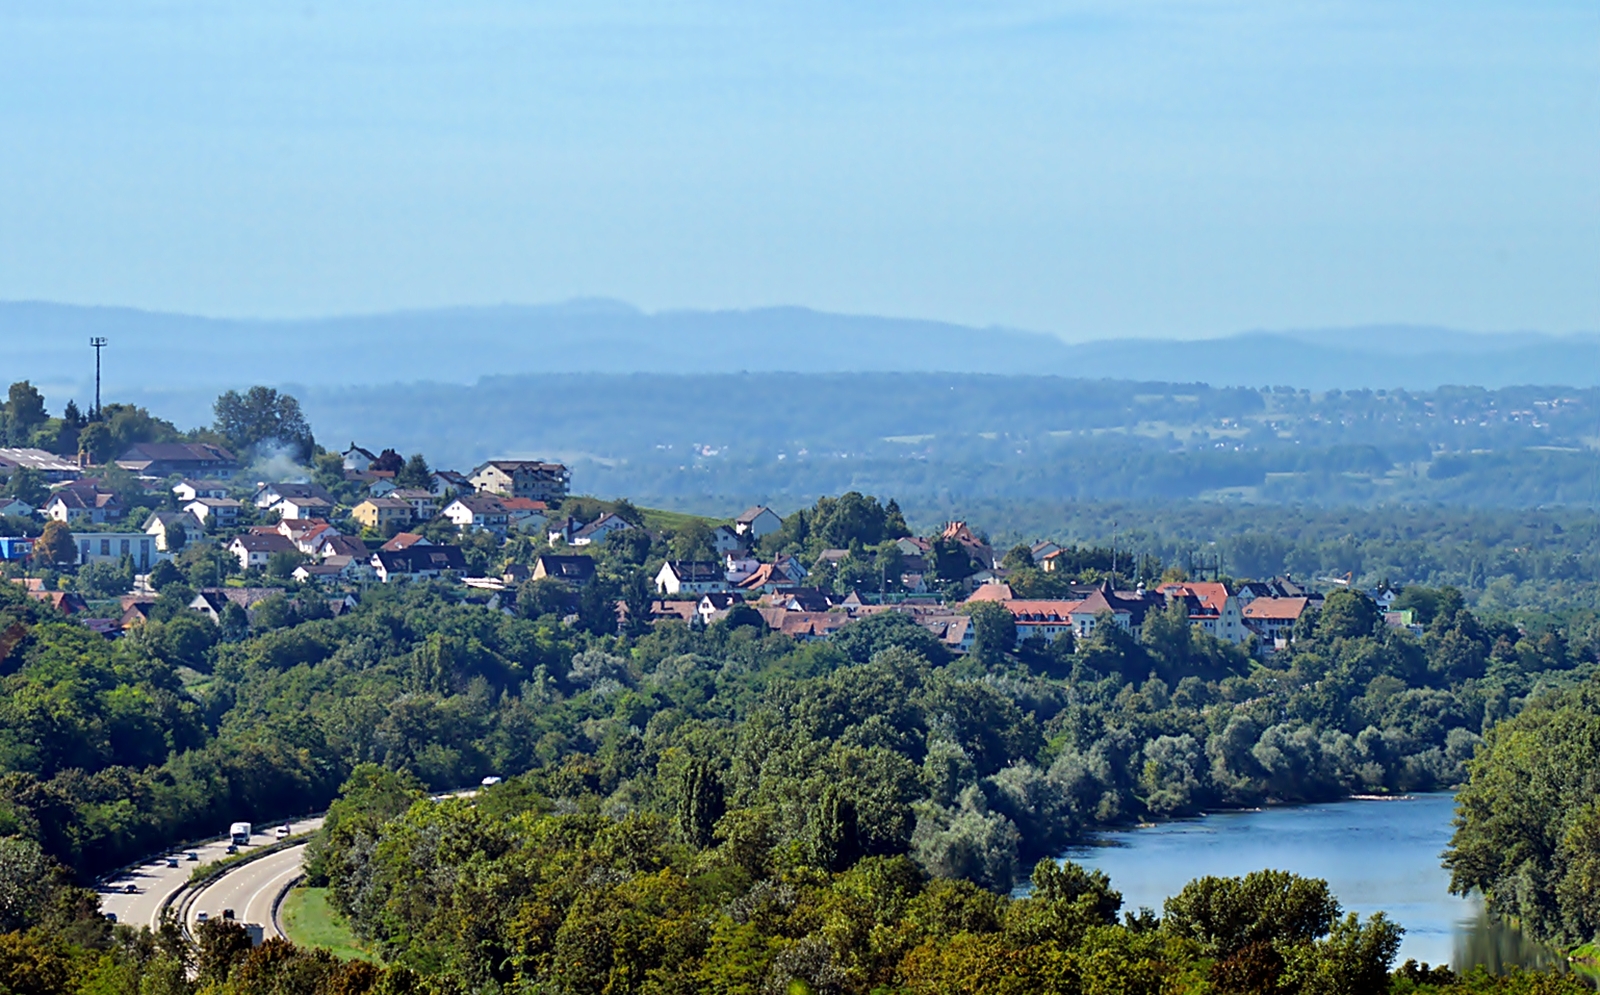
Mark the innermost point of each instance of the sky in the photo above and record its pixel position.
(1091, 169)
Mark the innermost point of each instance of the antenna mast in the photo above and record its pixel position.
(98, 342)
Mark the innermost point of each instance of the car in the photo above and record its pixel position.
(172, 861)
(191, 856)
(130, 889)
(200, 917)
(283, 831)
(232, 848)
(227, 913)
(489, 781)
(111, 917)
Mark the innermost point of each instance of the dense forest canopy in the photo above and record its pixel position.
(725, 808)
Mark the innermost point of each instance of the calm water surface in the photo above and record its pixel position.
(1378, 856)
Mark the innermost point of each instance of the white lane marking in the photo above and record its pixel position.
(274, 885)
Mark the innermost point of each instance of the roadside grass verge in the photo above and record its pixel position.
(310, 920)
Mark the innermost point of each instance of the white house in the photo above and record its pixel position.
(737, 567)
(111, 547)
(15, 507)
(160, 524)
(757, 522)
(442, 482)
(597, 530)
(417, 562)
(221, 512)
(303, 507)
(725, 540)
(477, 512)
(714, 606)
(190, 490)
(1211, 608)
(526, 514)
(358, 459)
(691, 577)
(382, 487)
(269, 495)
(255, 550)
(424, 504)
(77, 503)
(1039, 550)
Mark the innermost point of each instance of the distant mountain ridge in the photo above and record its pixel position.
(160, 351)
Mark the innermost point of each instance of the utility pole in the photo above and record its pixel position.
(98, 342)
(1113, 553)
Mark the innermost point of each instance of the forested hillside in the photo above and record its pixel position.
(681, 774)
(714, 443)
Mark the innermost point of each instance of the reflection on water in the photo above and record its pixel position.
(1499, 946)
(1378, 856)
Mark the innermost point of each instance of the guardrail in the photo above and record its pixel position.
(184, 898)
(104, 879)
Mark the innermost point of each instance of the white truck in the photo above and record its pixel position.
(240, 831)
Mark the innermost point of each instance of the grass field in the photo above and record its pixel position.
(311, 921)
(658, 519)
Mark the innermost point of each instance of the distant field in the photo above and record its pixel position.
(658, 519)
(311, 921)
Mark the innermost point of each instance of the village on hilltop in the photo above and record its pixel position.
(185, 513)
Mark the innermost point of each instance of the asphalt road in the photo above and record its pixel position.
(250, 890)
(155, 883)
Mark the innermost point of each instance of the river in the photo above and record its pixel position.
(1375, 855)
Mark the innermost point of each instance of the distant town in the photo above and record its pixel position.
(104, 542)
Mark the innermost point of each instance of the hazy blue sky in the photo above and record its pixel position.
(1091, 169)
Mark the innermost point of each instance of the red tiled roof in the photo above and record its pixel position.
(1277, 609)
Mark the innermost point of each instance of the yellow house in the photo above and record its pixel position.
(375, 513)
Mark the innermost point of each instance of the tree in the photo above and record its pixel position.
(222, 946)
(96, 442)
(164, 573)
(389, 461)
(1228, 914)
(692, 541)
(700, 803)
(415, 473)
(263, 416)
(544, 596)
(835, 840)
(894, 523)
(1347, 614)
(55, 546)
(631, 546)
(26, 876)
(106, 579)
(282, 564)
(28, 484)
(24, 412)
(234, 623)
(994, 631)
(742, 616)
(597, 608)
(637, 599)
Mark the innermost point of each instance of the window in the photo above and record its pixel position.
(105, 547)
(126, 547)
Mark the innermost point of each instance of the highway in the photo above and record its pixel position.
(251, 890)
(156, 884)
